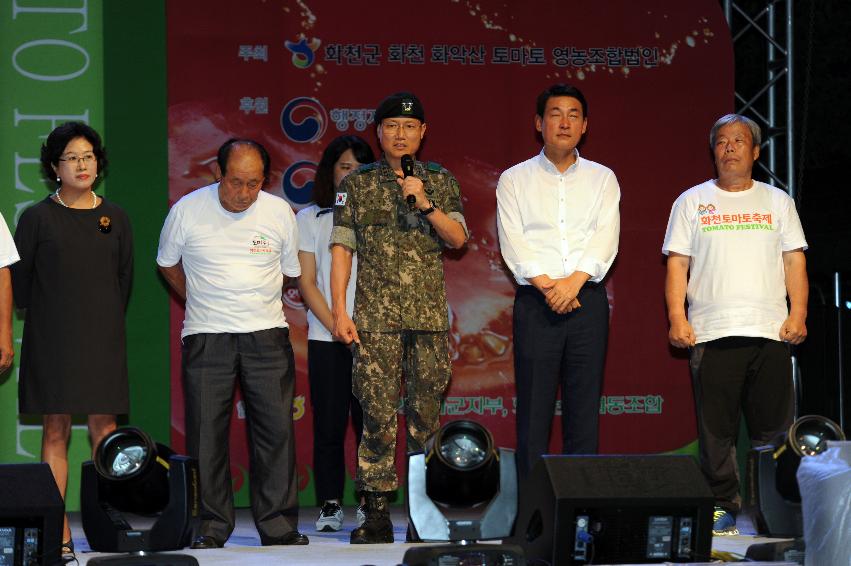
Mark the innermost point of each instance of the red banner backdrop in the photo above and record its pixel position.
(295, 74)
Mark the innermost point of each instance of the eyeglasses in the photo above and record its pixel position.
(408, 128)
(86, 159)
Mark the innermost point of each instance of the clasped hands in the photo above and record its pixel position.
(562, 294)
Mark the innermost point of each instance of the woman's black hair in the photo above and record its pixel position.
(323, 183)
(59, 139)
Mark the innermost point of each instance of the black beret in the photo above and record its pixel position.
(400, 104)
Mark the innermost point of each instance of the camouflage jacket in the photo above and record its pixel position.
(400, 283)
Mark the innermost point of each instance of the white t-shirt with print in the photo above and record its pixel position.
(234, 261)
(314, 236)
(735, 242)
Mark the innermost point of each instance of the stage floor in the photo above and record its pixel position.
(333, 549)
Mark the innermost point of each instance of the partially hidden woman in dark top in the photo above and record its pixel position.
(74, 281)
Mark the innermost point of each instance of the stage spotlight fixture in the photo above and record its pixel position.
(133, 474)
(807, 436)
(462, 466)
(772, 483)
(136, 470)
(462, 489)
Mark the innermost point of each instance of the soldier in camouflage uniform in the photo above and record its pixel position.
(398, 226)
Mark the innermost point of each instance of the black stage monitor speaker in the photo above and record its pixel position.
(31, 514)
(615, 509)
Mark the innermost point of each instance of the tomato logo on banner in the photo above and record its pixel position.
(303, 193)
(310, 127)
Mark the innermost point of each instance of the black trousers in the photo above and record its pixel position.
(329, 366)
(264, 364)
(558, 350)
(732, 376)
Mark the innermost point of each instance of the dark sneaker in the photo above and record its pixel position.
(330, 518)
(724, 524)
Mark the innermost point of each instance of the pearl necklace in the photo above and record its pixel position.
(62, 202)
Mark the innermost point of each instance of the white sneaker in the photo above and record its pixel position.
(361, 515)
(330, 517)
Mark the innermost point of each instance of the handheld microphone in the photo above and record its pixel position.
(408, 171)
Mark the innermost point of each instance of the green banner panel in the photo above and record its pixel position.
(51, 71)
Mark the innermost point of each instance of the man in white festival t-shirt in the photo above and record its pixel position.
(227, 249)
(735, 250)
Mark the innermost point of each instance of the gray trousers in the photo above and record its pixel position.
(263, 364)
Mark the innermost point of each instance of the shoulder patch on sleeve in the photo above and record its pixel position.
(436, 167)
(367, 167)
(340, 199)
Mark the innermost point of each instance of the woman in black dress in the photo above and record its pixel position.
(73, 280)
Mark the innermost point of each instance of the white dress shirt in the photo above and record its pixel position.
(556, 223)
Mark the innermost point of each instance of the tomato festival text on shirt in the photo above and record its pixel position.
(743, 221)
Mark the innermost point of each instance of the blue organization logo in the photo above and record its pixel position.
(304, 119)
(299, 194)
(303, 54)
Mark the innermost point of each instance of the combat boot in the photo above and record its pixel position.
(377, 528)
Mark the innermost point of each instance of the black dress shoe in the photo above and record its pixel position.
(203, 541)
(291, 538)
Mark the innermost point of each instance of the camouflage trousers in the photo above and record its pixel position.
(380, 362)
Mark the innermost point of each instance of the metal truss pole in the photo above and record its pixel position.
(771, 102)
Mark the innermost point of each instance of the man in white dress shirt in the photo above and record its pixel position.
(558, 222)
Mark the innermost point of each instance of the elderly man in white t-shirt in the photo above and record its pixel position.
(227, 249)
(735, 250)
